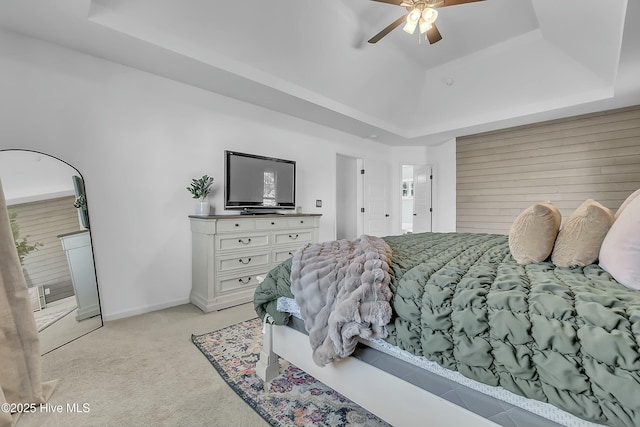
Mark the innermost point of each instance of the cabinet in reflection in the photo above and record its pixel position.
(77, 247)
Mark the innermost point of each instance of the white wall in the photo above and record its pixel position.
(138, 139)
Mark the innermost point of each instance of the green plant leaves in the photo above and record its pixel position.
(22, 246)
(200, 188)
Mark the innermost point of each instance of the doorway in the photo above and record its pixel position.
(417, 209)
(362, 197)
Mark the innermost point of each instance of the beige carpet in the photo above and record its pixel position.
(144, 371)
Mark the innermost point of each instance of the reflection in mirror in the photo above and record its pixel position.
(50, 224)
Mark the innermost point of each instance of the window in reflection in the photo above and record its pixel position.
(269, 189)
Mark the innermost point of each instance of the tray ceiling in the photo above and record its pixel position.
(500, 63)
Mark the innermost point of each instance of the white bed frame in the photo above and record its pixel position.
(390, 398)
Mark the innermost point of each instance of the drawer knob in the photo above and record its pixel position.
(244, 280)
(301, 221)
(244, 242)
(293, 236)
(237, 225)
(244, 262)
(273, 223)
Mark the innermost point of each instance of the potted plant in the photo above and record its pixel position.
(22, 246)
(81, 203)
(200, 189)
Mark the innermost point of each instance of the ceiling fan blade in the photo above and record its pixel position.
(454, 2)
(433, 34)
(388, 29)
(396, 2)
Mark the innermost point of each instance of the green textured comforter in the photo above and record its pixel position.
(567, 336)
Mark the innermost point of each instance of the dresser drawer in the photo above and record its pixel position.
(235, 283)
(241, 241)
(300, 222)
(242, 261)
(299, 237)
(281, 255)
(230, 225)
(271, 223)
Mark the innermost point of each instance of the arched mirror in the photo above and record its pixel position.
(50, 224)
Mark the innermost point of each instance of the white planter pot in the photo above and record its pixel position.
(203, 208)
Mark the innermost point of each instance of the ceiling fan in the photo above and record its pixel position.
(421, 14)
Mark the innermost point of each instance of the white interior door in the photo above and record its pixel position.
(422, 212)
(347, 187)
(377, 221)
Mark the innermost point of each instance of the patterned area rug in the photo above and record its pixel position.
(294, 398)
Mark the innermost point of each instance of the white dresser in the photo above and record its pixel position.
(229, 251)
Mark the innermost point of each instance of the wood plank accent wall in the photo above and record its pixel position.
(500, 173)
(43, 221)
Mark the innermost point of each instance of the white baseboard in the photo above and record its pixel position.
(134, 312)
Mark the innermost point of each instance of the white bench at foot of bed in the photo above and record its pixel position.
(390, 398)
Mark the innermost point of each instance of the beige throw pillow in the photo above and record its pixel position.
(580, 238)
(620, 251)
(533, 233)
(626, 202)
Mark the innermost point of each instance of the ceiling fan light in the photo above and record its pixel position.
(430, 15)
(410, 27)
(414, 15)
(424, 26)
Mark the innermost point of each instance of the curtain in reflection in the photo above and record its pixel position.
(20, 369)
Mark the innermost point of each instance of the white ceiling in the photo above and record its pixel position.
(500, 63)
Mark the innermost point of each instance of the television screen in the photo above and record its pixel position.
(259, 182)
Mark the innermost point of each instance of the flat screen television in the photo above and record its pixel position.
(258, 184)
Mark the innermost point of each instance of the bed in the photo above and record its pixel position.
(563, 337)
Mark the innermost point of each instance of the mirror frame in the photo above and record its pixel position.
(88, 229)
